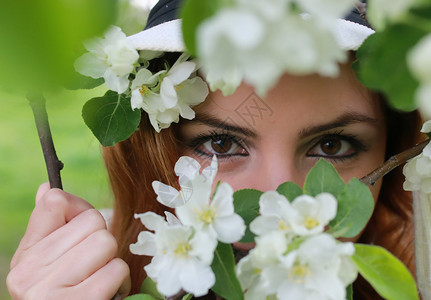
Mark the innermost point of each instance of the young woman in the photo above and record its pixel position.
(67, 252)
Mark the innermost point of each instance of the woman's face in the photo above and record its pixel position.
(263, 142)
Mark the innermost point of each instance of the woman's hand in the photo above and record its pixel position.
(66, 253)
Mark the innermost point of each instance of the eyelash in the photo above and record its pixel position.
(213, 135)
(201, 139)
(353, 141)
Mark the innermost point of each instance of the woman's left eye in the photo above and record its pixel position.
(333, 147)
(222, 146)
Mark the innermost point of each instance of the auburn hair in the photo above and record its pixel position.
(147, 156)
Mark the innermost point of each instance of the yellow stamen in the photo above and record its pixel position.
(208, 215)
(179, 86)
(144, 90)
(283, 225)
(298, 273)
(183, 249)
(310, 222)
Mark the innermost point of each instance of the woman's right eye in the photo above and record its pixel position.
(223, 146)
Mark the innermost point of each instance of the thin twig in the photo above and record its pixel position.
(53, 164)
(392, 163)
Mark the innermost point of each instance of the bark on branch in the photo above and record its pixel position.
(53, 164)
(392, 163)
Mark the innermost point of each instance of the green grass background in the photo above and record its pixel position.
(22, 167)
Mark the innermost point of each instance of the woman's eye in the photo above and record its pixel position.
(221, 146)
(335, 147)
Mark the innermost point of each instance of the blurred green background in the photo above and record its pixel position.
(22, 167)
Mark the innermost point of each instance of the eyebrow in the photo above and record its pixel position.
(341, 121)
(223, 124)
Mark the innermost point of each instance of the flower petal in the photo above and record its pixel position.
(230, 228)
(167, 195)
(181, 72)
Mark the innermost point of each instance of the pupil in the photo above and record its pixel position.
(331, 146)
(221, 146)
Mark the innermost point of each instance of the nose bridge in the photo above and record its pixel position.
(279, 166)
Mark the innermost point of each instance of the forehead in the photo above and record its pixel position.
(294, 101)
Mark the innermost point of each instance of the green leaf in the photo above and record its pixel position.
(381, 64)
(111, 118)
(246, 203)
(323, 178)
(149, 287)
(290, 190)
(386, 273)
(187, 297)
(223, 265)
(355, 207)
(349, 292)
(193, 13)
(140, 297)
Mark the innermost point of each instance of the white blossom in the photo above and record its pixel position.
(319, 269)
(267, 253)
(190, 180)
(213, 216)
(313, 213)
(181, 256)
(179, 90)
(112, 58)
(141, 92)
(258, 42)
(275, 214)
(306, 215)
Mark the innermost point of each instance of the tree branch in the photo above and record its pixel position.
(53, 164)
(392, 163)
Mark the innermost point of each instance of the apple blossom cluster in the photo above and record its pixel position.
(258, 41)
(183, 246)
(164, 95)
(293, 257)
(419, 61)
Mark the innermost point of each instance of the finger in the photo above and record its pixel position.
(53, 210)
(56, 244)
(85, 258)
(43, 188)
(105, 282)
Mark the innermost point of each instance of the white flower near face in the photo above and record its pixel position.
(141, 92)
(275, 212)
(223, 40)
(267, 253)
(179, 90)
(112, 58)
(239, 44)
(181, 256)
(319, 269)
(190, 180)
(214, 217)
(313, 213)
(382, 12)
